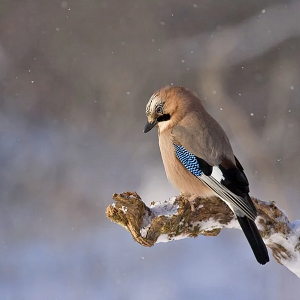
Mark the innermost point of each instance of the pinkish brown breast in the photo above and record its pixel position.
(177, 174)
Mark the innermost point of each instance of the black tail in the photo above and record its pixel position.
(253, 236)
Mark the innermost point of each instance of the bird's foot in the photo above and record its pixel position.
(192, 200)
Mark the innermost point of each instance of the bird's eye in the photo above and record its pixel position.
(159, 110)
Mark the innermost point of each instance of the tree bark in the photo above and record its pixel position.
(178, 218)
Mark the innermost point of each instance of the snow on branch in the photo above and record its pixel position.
(177, 219)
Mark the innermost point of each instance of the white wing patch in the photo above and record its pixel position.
(215, 182)
(217, 174)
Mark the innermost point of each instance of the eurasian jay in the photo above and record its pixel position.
(198, 157)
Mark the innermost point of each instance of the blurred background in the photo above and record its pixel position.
(75, 77)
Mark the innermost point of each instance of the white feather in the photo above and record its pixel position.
(236, 203)
(217, 174)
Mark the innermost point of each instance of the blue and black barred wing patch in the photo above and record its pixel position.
(188, 160)
(213, 178)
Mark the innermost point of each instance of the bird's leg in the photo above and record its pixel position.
(191, 198)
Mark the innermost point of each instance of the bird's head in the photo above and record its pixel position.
(167, 106)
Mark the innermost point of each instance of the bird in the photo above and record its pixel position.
(198, 157)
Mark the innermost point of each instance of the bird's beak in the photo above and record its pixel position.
(149, 126)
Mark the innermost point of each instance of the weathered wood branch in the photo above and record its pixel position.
(177, 219)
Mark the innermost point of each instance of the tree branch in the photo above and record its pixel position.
(177, 219)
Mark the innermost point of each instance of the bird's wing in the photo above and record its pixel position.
(200, 134)
(230, 185)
